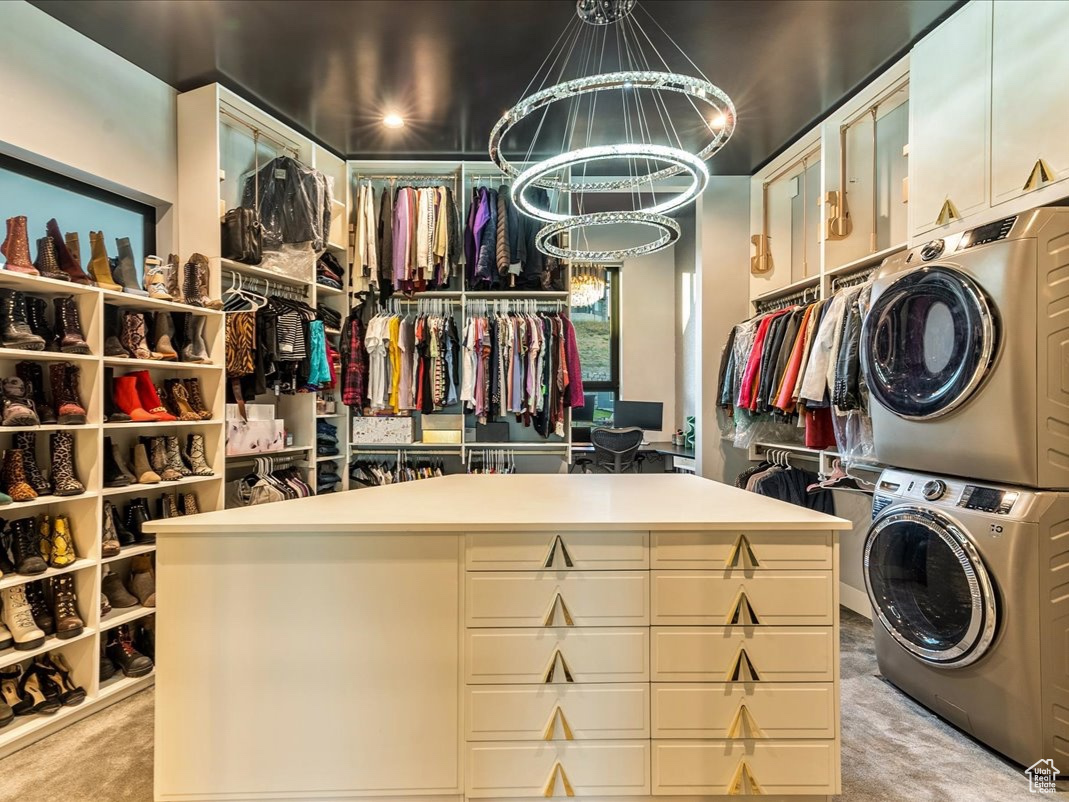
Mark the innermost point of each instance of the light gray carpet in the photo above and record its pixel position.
(893, 749)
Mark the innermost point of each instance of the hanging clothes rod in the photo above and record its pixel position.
(278, 462)
(265, 285)
(851, 280)
(450, 178)
(290, 146)
(783, 301)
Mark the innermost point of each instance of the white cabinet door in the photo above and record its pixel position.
(950, 95)
(1029, 94)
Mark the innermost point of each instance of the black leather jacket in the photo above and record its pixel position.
(846, 394)
(294, 205)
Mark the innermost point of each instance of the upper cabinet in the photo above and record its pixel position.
(1029, 97)
(950, 93)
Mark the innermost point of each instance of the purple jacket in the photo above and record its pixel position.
(574, 394)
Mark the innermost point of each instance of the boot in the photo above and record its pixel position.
(32, 376)
(156, 279)
(6, 642)
(196, 348)
(143, 580)
(180, 400)
(18, 618)
(164, 330)
(169, 506)
(99, 265)
(69, 326)
(142, 468)
(16, 247)
(189, 504)
(14, 477)
(40, 607)
(171, 278)
(112, 329)
(120, 650)
(54, 670)
(110, 545)
(6, 538)
(118, 595)
(134, 337)
(116, 474)
(146, 636)
(63, 553)
(127, 399)
(112, 413)
(191, 285)
(66, 393)
(15, 331)
(157, 447)
(196, 456)
(196, 400)
(18, 408)
(107, 667)
(63, 465)
(37, 320)
(25, 549)
(150, 400)
(27, 443)
(127, 270)
(105, 606)
(137, 515)
(42, 525)
(47, 263)
(203, 276)
(69, 254)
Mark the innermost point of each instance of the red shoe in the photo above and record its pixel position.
(150, 399)
(127, 399)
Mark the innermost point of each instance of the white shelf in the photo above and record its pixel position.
(138, 487)
(156, 364)
(25, 283)
(260, 272)
(166, 424)
(45, 356)
(143, 302)
(871, 260)
(10, 580)
(124, 615)
(49, 427)
(334, 247)
(558, 445)
(328, 290)
(9, 657)
(330, 415)
(336, 458)
(131, 551)
(119, 683)
(404, 446)
(44, 501)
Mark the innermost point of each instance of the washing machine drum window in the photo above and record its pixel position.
(928, 342)
(929, 587)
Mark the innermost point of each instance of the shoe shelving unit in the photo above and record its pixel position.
(86, 510)
(217, 135)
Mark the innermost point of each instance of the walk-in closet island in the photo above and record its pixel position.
(501, 637)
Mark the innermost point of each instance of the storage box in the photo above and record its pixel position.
(384, 430)
(254, 437)
(442, 421)
(253, 411)
(450, 436)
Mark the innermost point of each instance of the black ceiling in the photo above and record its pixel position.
(333, 68)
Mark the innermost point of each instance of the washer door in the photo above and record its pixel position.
(928, 342)
(929, 586)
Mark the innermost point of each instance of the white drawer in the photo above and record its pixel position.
(739, 549)
(587, 768)
(727, 654)
(682, 768)
(557, 712)
(527, 551)
(531, 656)
(744, 710)
(557, 598)
(780, 598)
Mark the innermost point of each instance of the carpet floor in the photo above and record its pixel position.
(893, 749)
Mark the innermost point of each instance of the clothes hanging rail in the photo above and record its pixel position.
(259, 132)
(762, 305)
(852, 279)
(413, 180)
(485, 306)
(403, 453)
(266, 286)
(274, 463)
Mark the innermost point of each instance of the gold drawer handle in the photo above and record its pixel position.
(947, 213)
(744, 725)
(553, 552)
(553, 668)
(1041, 174)
(551, 726)
(742, 613)
(743, 669)
(551, 783)
(558, 602)
(744, 783)
(742, 553)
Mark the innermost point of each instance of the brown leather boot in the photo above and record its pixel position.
(68, 262)
(164, 330)
(191, 280)
(196, 400)
(16, 247)
(66, 393)
(142, 469)
(47, 263)
(14, 477)
(74, 245)
(180, 398)
(69, 326)
(171, 281)
(99, 265)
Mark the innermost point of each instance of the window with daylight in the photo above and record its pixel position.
(595, 313)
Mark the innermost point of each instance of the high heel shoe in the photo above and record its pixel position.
(9, 695)
(55, 670)
(32, 697)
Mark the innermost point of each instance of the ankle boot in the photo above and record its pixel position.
(156, 279)
(157, 448)
(25, 548)
(18, 618)
(150, 400)
(39, 607)
(62, 551)
(120, 650)
(196, 399)
(134, 336)
(42, 525)
(115, 474)
(164, 330)
(143, 468)
(32, 375)
(16, 247)
(37, 320)
(126, 271)
(197, 457)
(118, 596)
(47, 263)
(169, 506)
(26, 442)
(136, 515)
(99, 264)
(69, 326)
(14, 477)
(68, 253)
(109, 534)
(189, 504)
(6, 642)
(196, 348)
(18, 408)
(15, 331)
(180, 399)
(128, 400)
(112, 330)
(174, 458)
(143, 580)
(65, 608)
(66, 393)
(63, 475)
(171, 282)
(112, 413)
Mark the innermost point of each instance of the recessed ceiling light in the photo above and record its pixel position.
(393, 121)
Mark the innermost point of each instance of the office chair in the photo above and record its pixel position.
(615, 450)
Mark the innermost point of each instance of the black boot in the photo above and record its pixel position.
(40, 606)
(112, 330)
(33, 376)
(112, 413)
(136, 515)
(121, 651)
(114, 475)
(37, 319)
(25, 551)
(125, 536)
(15, 331)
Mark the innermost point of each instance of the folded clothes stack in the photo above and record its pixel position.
(326, 439)
(327, 478)
(331, 318)
(329, 271)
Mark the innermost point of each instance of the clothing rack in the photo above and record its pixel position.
(273, 464)
(266, 286)
(428, 306)
(413, 180)
(403, 454)
(762, 305)
(259, 132)
(851, 280)
(483, 306)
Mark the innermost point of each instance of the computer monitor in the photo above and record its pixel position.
(646, 415)
(585, 413)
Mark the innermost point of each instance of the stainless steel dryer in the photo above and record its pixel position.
(966, 353)
(969, 584)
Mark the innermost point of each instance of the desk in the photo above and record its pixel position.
(677, 458)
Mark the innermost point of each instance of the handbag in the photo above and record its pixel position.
(242, 234)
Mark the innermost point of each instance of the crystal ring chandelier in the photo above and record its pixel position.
(667, 228)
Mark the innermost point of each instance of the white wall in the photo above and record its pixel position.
(75, 107)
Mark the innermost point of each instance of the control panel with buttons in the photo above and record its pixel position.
(988, 499)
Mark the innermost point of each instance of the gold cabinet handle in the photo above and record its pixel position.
(742, 670)
(551, 726)
(743, 724)
(1041, 174)
(551, 783)
(742, 552)
(553, 552)
(557, 656)
(551, 616)
(947, 213)
(743, 783)
(742, 613)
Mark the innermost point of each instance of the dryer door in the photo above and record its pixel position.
(929, 586)
(928, 342)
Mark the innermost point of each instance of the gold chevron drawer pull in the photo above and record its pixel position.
(743, 670)
(742, 612)
(551, 726)
(947, 213)
(743, 724)
(553, 552)
(743, 783)
(1041, 174)
(742, 554)
(551, 617)
(553, 668)
(551, 783)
